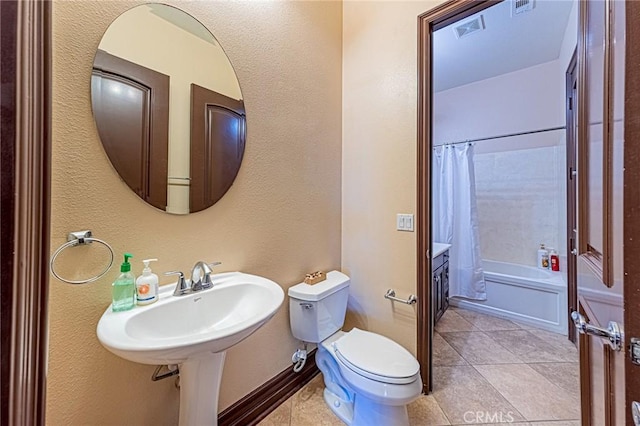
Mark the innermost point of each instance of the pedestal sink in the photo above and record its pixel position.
(193, 331)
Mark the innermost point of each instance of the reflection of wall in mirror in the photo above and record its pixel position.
(135, 36)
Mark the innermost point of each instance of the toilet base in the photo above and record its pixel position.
(368, 412)
(342, 409)
(360, 401)
(365, 412)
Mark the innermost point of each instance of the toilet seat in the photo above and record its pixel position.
(376, 357)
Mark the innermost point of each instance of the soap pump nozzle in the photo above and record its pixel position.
(147, 269)
(126, 266)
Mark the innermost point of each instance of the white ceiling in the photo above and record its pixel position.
(506, 44)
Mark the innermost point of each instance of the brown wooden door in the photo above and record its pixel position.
(217, 145)
(131, 109)
(608, 201)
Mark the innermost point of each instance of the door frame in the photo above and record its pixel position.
(428, 22)
(572, 195)
(25, 144)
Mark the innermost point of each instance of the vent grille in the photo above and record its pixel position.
(469, 27)
(521, 6)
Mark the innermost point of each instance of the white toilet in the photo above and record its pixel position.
(369, 379)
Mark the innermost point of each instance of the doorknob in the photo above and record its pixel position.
(635, 413)
(611, 333)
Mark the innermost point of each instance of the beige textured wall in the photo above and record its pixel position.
(281, 218)
(379, 161)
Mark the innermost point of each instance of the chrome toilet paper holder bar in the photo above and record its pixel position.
(391, 295)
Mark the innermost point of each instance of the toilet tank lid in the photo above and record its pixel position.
(335, 281)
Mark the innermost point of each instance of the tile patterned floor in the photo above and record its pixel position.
(487, 370)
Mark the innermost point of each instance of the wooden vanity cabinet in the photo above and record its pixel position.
(440, 282)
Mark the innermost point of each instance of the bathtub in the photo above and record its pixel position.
(521, 293)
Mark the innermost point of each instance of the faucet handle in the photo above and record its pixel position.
(206, 280)
(181, 287)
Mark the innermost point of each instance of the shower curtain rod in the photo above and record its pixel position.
(505, 136)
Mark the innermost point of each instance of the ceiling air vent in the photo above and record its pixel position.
(521, 6)
(469, 27)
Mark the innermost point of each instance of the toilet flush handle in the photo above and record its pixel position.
(306, 305)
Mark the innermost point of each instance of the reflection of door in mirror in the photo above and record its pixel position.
(131, 106)
(217, 145)
(171, 42)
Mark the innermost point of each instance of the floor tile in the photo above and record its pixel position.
(530, 348)
(281, 416)
(560, 423)
(552, 423)
(563, 374)
(461, 391)
(525, 326)
(562, 346)
(444, 354)
(487, 322)
(452, 321)
(426, 411)
(531, 393)
(506, 422)
(479, 348)
(308, 407)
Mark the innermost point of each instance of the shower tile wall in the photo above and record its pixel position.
(521, 203)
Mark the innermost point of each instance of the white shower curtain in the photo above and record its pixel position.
(455, 218)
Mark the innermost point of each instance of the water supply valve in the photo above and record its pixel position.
(299, 358)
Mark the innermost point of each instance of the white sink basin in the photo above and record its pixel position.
(439, 248)
(193, 331)
(176, 327)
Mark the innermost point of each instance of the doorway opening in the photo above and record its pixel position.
(492, 187)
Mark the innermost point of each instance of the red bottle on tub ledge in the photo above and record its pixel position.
(554, 260)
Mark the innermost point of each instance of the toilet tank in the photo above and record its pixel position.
(317, 311)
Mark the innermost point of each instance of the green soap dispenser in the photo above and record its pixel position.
(124, 287)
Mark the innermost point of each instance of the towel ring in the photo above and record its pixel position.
(77, 239)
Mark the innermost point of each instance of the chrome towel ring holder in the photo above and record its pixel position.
(77, 239)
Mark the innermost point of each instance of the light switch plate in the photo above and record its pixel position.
(404, 222)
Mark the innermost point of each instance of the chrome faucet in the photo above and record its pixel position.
(182, 287)
(200, 278)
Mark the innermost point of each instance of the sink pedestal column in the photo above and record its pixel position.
(199, 388)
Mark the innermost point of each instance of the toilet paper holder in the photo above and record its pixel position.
(391, 295)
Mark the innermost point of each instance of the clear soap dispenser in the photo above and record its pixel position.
(124, 288)
(147, 285)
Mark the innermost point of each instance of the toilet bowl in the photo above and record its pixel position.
(369, 379)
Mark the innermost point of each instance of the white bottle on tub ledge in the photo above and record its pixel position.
(543, 257)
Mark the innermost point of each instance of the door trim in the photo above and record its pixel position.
(8, 17)
(632, 197)
(29, 177)
(443, 14)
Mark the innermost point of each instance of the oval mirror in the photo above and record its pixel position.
(168, 108)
